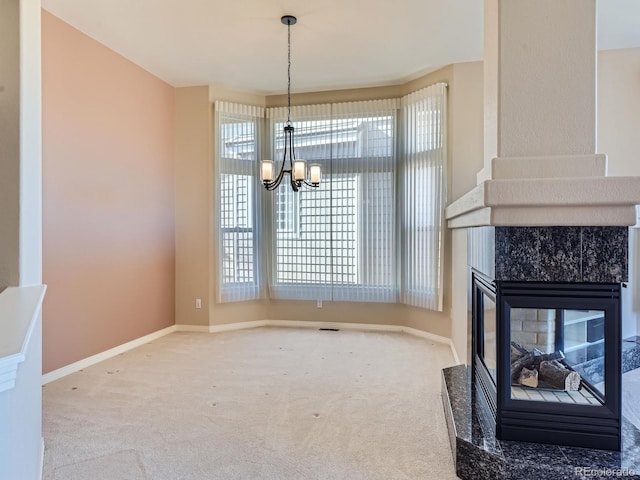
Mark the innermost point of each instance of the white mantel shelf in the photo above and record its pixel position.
(584, 198)
(19, 311)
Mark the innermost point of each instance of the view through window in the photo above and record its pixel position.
(372, 231)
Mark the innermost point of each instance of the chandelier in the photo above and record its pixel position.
(295, 169)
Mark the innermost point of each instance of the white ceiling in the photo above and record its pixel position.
(336, 43)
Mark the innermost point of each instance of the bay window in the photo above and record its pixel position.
(371, 232)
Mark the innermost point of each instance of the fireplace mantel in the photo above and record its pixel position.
(547, 191)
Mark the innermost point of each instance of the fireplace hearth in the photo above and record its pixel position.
(543, 297)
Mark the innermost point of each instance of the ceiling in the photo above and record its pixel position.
(335, 44)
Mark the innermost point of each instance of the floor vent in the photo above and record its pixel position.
(330, 329)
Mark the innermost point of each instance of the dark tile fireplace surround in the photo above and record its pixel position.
(545, 312)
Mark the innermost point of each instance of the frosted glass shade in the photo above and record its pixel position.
(298, 170)
(266, 172)
(315, 174)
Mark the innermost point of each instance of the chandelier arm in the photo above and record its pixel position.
(292, 154)
(294, 183)
(310, 185)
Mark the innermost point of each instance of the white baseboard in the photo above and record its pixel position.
(237, 326)
(226, 327)
(434, 338)
(74, 367)
(367, 327)
(192, 328)
(454, 352)
(112, 352)
(343, 326)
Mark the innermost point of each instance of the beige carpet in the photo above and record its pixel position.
(266, 403)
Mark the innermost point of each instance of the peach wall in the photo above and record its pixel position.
(108, 195)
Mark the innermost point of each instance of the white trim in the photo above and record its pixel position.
(40, 472)
(192, 328)
(20, 311)
(340, 325)
(237, 326)
(227, 327)
(434, 338)
(112, 352)
(454, 352)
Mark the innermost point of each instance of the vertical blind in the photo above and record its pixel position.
(337, 242)
(238, 136)
(423, 189)
(373, 229)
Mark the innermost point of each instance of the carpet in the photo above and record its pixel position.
(265, 403)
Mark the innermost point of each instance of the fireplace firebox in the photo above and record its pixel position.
(547, 360)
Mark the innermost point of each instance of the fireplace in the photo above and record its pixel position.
(546, 360)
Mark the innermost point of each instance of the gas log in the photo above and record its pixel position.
(528, 377)
(537, 369)
(558, 376)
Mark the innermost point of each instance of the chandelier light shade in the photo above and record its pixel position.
(296, 170)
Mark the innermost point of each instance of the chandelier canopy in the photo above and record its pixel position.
(295, 169)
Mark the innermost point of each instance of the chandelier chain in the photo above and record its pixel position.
(289, 72)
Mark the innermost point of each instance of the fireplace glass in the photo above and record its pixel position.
(558, 363)
(489, 348)
(557, 355)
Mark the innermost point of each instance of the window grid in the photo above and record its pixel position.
(345, 241)
(236, 229)
(324, 251)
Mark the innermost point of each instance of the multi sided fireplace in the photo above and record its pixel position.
(547, 360)
(547, 355)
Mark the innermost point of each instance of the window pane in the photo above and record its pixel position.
(236, 165)
(236, 228)
(423, 190)
(338, 241)
(237, 139)
(326, 218)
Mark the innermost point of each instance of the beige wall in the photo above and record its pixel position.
(618, 125)
(193, 209)
(108, 216)
(466, 160)
(619, 109)
(467, 111)
(10, 144)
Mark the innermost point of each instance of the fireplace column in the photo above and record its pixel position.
(541, 166)
(555, 219)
